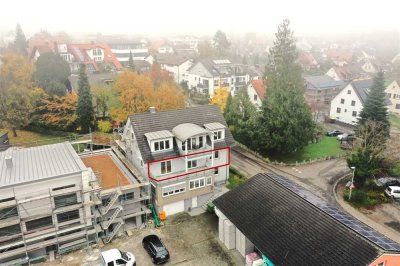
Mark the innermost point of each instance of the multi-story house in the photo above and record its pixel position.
(347, 73)
(176, 65)
(185, 154)
(348, 103)
(393, 93)
(122, 51)
(54, 201)
(207, 75)
(322, 88)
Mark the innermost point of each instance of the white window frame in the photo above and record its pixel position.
(166, 167)
(176, 189)
(218, 135)
(164, 144)
(208, 180)
(201, 182)
(192, 165)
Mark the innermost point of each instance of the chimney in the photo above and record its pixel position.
(152, 110)
(9, 162)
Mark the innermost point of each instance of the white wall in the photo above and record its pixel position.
(393, 92)
(332, 73)
(346, 109)
(251, 92)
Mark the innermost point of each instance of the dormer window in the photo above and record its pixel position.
(218, 135)
(161, 145)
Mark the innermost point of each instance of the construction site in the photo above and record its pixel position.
(53, 201)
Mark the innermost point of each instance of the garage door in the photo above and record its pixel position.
(173, 208)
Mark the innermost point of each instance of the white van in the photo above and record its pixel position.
(114, 257)
(393, 192)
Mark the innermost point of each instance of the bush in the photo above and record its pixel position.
(395, 170)
(104, 126)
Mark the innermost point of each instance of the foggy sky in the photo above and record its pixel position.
(201, 17)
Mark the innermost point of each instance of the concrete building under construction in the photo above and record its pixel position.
(53, 201)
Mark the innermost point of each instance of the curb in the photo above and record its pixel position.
(335, 188)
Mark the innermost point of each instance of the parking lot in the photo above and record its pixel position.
(190, 241)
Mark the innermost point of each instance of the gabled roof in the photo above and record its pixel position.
(171, 59)
(349, 72)
(258, 85)
(289, 229)
(361, 88)
(167, 120)
(324, 81)
(38, 163)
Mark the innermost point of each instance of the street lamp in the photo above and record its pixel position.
(352, 181)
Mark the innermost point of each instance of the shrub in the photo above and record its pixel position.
(104, 126)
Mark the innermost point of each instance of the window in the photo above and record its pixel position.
(68, 216)
(354, 113)
(389, 95)
(65, 200)
(192, 164)
(342, 101)
(348, 91)
(161, 145)
(97, 51)
(120, 262)
(165, 167)
(255, 97)
(174, 189)
(200, 182)
(338, 110)
(216, 171)
(128, 196)
(201, 142)
(217, 134)
(39, 223)
(209, 180)
(216, 154)
(8, 212)
(10, 230)
(353, 103)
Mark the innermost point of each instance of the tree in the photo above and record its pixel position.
(221, 43)
(206, 50)
(159, 75)
(375, 105)
(20, 45)
(131, 64)
(101, 96)
(367, 157)
(286, 124)
(220, 98)
(168, 96)
(84, 109)
(15, 88)
(52, 73)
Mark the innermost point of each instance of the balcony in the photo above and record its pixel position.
(191, 173)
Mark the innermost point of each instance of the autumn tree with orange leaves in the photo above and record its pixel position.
(220, 98)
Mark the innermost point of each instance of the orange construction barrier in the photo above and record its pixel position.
(163, 216)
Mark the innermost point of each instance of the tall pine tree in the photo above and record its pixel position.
(286, 124)
(20, 45)
(85, 111)
(375, 105)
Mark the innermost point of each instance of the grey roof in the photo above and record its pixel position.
(361, 87)
(289, 229)
(214, 126)
(187, 130)
(162, 134)
(167, 120)
(223, 68)
(324, 81)
(37, 163)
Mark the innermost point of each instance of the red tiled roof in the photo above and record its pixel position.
(258, 85)
(307, 59)
(340, 55)
(109, 56)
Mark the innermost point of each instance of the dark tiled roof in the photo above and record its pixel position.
(361, 87)
(290, 230)
(324, 81)
(167, 120)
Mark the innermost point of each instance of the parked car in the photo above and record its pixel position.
(346, 137)
(387, 181)
(334, 133)
(393, 192)
(115, 257)
(156, 249)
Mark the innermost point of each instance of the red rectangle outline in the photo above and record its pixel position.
(193, 172)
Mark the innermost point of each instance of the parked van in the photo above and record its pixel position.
(393, 192)
(114, 257)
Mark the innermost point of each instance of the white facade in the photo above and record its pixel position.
(368, 67)
(253, 96)
(332, 73)
(96, 54)
(165, 50)
(346, 106)
(179, 72)
(393, 93)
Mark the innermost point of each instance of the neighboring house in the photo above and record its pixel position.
(123, 49)
(207, 75)
(393, 93)
(183, 153)
(256, 91)
(4, 141)
(142, 66)
(92, 55)
(51, 199)
(185, 44)
(322, 88)
(165, 49)
(307, 61)
(348, 103)
(340, 57)
(368, 66)
(288, 225)
(347, 73)
(176, 65)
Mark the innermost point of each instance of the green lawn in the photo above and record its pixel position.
(327, 146)
(29, 138)
(394, 121)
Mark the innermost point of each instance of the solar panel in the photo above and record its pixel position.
(344, 218)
